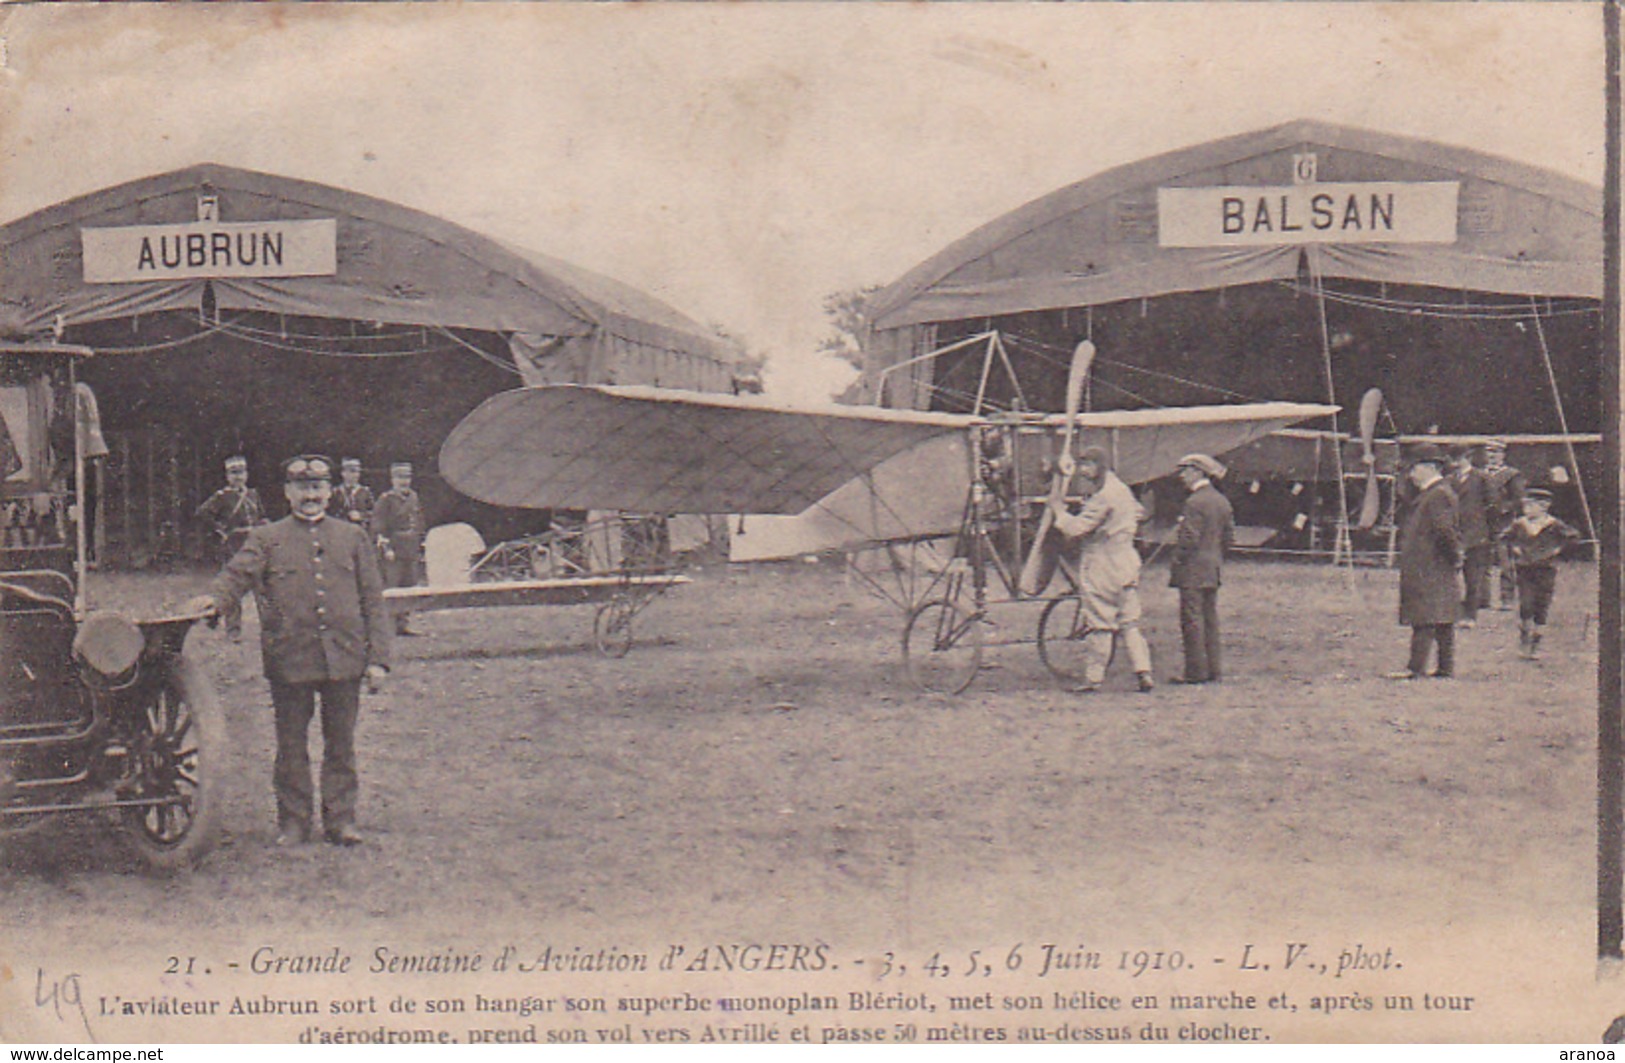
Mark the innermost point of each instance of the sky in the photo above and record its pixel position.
(742, 161)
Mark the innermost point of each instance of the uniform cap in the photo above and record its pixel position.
(1428, 453)
(1495, 444)
(236, 461)
(400, 466)
(351, 463)
(1204, 464)
(1538, 494)
(307, 468)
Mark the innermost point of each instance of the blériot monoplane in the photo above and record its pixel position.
(958, 491)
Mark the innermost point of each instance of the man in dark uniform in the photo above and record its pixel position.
(352, 499)
(231, 512)
(323, 629)
(397, 527)
(1506, 501)
(1206, 531)
(1429, 555)
(1473, 515)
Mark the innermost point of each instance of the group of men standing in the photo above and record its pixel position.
(393, 521)
(1468, 513)
(1100, 541)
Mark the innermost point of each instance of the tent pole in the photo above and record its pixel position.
(1562, 419)
(987, 367)
(1342, 541)
(1610, 589)
(1010, 370)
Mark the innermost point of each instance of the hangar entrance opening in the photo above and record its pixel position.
(1448, 362)
(177, 397)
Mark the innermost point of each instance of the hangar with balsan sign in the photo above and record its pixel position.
(1306, 262)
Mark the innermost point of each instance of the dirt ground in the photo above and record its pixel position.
(758, 768)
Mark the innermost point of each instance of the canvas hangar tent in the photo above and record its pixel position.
(244, 311)
(1305, 262)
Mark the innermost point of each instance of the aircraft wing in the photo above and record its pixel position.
(838, 476)
(660, 450)
(921, 493)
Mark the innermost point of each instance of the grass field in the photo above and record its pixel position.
(758, 767)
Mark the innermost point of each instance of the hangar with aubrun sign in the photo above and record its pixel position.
(235, 311)
(1305, 262)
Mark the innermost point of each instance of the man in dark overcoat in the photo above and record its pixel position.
(1429, 560)
(323, 629)
(1206, 531)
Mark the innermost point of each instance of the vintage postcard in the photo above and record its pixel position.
(776, 523)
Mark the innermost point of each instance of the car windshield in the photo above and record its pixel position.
(36, 462)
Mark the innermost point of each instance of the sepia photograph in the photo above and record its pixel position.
(577, 523)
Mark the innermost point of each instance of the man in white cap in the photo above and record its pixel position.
(1108, 565)
(1207, 528)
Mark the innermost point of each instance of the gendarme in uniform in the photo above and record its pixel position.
(397, 525)
(323, 627)
(352, 500)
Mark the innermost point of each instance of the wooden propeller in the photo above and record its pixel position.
(1371, 504)
(1083, 356)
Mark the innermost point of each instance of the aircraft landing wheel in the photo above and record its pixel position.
(942, 647)
(612, 627)
(1062, 629)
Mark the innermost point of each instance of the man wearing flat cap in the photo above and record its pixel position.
(397, 527)
(323, 629)
(231, 512)
(1430, 557)
(1207, 528)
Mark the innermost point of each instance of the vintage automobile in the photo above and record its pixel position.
(99, 713)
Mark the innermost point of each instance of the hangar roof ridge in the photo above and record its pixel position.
(1206, 155)
(593, 297)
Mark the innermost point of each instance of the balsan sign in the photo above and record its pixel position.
(1365, 212)
(307, 248)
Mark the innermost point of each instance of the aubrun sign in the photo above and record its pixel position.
(307, 248)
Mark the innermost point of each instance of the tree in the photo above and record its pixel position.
(845, 310)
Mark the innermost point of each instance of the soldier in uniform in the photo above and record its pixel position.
(231, 512)
(1506, 502)
(397, 528)
(352, 499)
(323, 629)
(1474, 516)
